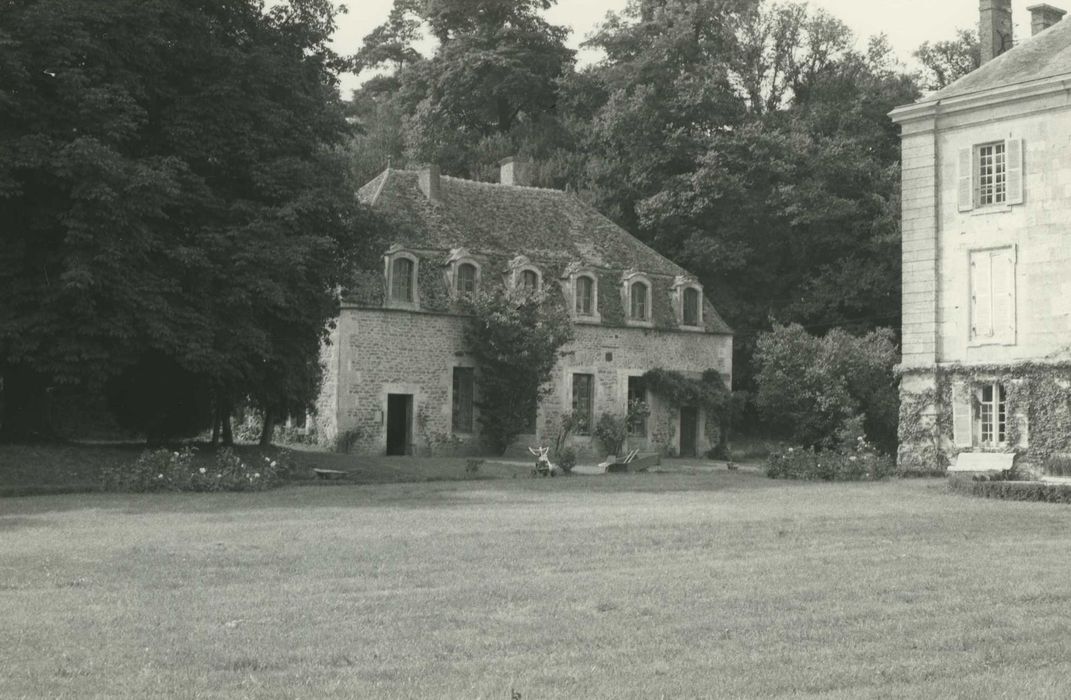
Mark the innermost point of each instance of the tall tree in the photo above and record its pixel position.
(945, 62)
(174, 194)
(492, 83)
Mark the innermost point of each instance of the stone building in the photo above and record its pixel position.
(987, 254)
(399, 380)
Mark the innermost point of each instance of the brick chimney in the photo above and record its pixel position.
(515, 171)
(429, 183)
(995, 29)
(1044, 16)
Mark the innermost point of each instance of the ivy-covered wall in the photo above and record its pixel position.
(1038, 410)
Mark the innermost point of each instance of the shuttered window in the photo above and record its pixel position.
(992, 302)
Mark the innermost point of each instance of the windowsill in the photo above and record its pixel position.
(991, 209)
(635, 323)
(996, 342)
(593, 319)
(693, 329)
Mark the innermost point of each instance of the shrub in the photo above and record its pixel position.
(808, 464)
(612, 432)
(566, 459)
(153, 470)
(1058, 465)
(164, 470)
(819, 390)
(1014, 490)
(515, 337)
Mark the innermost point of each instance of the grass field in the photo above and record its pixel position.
(659, 585)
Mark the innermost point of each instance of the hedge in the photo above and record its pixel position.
(1014, 490)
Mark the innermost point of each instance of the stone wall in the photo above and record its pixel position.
(377, 352)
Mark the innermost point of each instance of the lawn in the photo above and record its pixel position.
(657, 585)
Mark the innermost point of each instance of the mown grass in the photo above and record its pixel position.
(659, 585)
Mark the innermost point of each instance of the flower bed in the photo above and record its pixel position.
(859, 464)
(1013, 490)
(166, 470)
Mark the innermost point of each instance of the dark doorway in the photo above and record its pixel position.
(399, 423)
(689, 431)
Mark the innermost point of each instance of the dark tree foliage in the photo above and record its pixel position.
(489, 91)
(173, 196)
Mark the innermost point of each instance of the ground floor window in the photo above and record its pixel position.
(583, 402)
(992, 418)
(637, 405)
(464, 387)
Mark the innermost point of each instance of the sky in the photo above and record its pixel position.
(907, 23)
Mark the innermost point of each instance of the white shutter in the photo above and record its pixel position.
(981, 295)
(961, 415)
(966, 179)
(1013, 155)
(1003, 300)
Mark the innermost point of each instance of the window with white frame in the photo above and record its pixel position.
(584, 295)
(991, 420)
(991, 175)
(992, 302)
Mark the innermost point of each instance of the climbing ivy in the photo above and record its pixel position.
(1039, 391)
(707, 392)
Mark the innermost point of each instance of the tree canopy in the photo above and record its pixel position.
(175, 197)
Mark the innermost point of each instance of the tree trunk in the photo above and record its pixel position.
(26, 414)
(225, 423)
(268, 430)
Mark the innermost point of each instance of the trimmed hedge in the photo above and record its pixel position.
(1014, 490)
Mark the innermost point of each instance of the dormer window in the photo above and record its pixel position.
(688, 297)
(637, 298)
(690, 312)
(529, 281)
(466, 278)
(464, 273)
(524, 276)
(402, 283)
(584, 292)
(402, 270)
(639, 301)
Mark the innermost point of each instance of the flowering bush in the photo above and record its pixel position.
(153, 470)
(858, 464)
(164, 470)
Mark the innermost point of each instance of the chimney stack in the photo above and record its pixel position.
(429, 183)
(1044, 16)
(995, 29)
(515, 171)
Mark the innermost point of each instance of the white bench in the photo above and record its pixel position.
(983, 462)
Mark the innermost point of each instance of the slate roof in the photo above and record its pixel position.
(552, 228)
(1045, 55)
